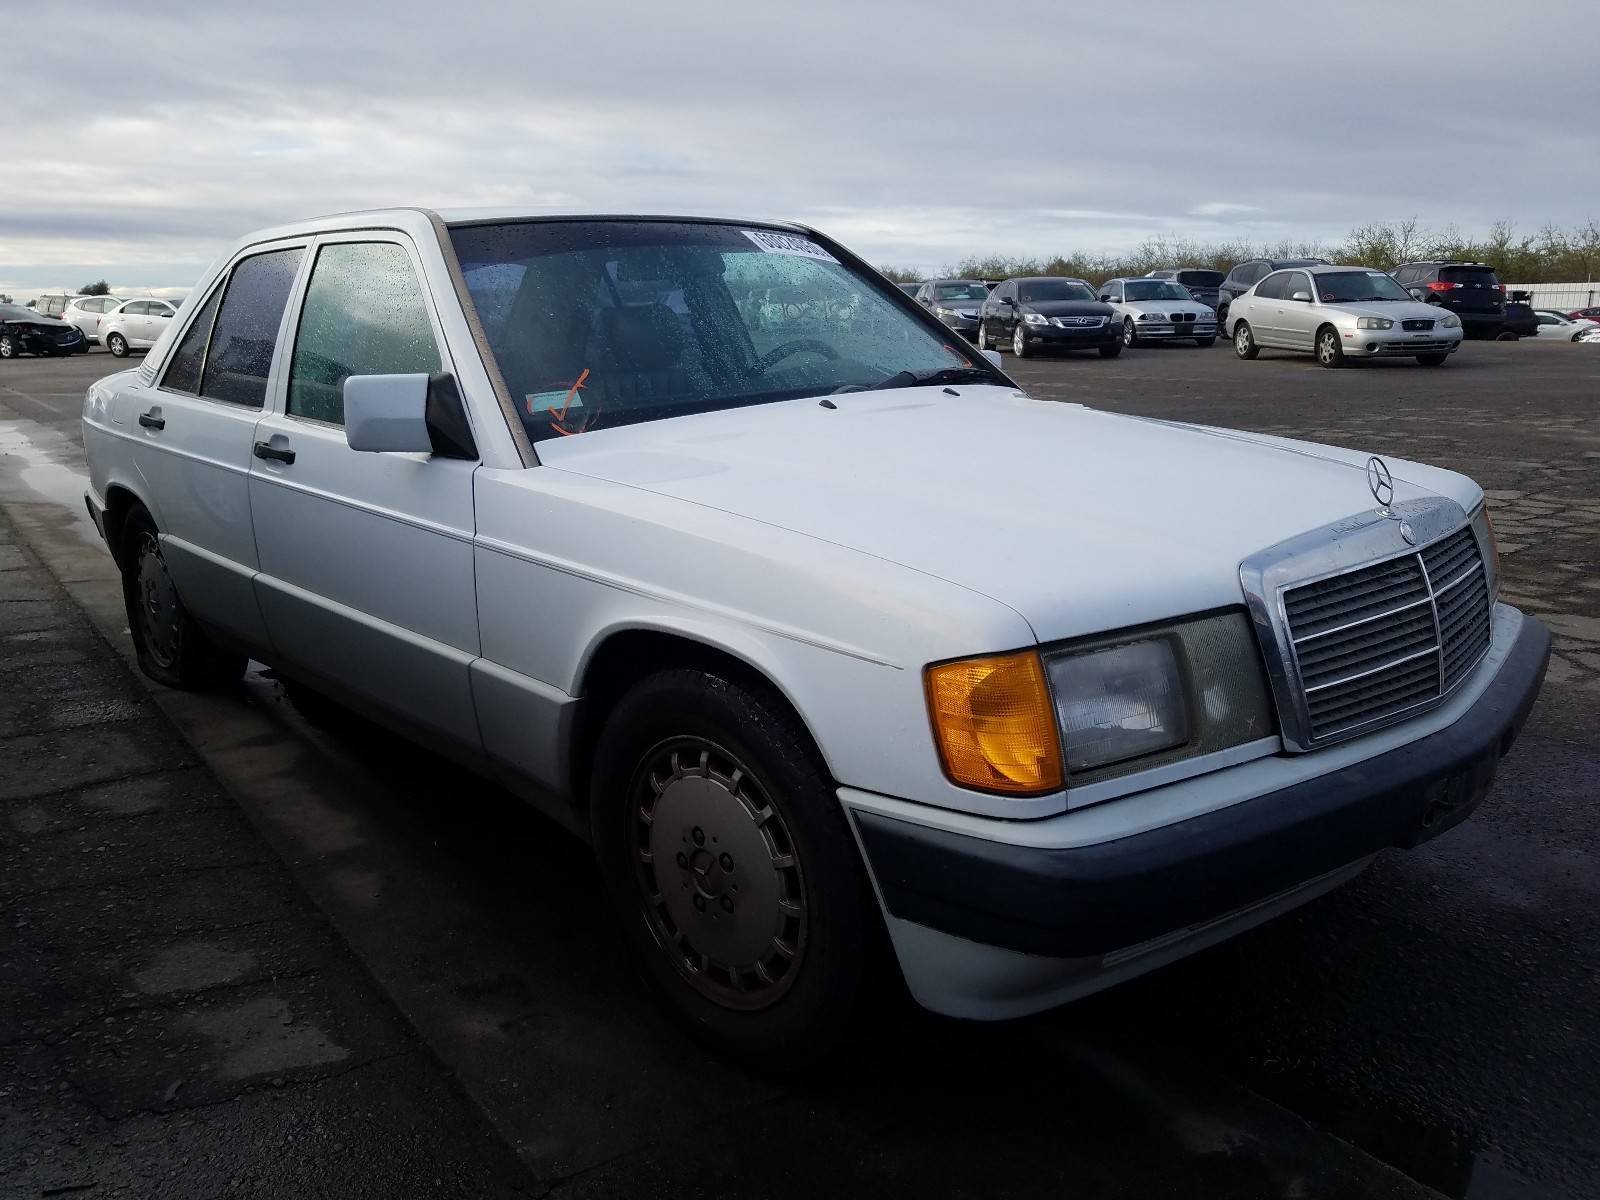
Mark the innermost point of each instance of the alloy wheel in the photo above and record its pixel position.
(720, 874)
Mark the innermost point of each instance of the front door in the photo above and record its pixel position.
(366, 577)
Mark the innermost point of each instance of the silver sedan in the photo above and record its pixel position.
(1339, 313)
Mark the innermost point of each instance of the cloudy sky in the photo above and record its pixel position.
(139, 139)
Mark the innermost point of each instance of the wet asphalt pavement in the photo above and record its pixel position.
(1441, 1013)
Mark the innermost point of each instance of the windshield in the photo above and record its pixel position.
(602, 323)
(1054, 289)
(15, 312)
(1155, 289)
(960, 291)
(1357, 287)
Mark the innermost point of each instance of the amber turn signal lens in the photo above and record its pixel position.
(994, 723)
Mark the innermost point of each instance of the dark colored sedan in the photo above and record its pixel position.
(955, 302)
(1202, 284)
(1025, 315)
(23, 331)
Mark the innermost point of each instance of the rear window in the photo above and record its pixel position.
(1202, 279)
(1482, 275)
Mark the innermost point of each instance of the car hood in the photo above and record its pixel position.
(1067, 308)
(1395, 310)
(1079, 520)
(1167, 306)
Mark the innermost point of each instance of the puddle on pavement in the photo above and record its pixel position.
(40, 464)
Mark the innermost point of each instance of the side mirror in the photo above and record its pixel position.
(384, 413)
(1416, 293)
(1302, 297)
(407, 414)
(992, 355)
(1105, 297)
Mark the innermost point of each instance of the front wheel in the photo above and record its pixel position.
(170, 647)
(9, 348)
(1244, 342)
(118, 345)
(1130, 333)
(1019, 343)
(1506, 335)
(1330, 350)
(1432, 360)
(726, 858)
(1111, 351)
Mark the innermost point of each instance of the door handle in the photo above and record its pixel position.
(151, 421)
(263, 450)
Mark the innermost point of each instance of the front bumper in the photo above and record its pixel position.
(1395, 343)
(1087, 338)
(1085, 902)
(1181, 331)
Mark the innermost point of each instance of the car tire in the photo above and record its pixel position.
(1019, 342)
(1330, 350)
(1111, 351)
(1222, 320)
(1130, 333)
(170, 647)
(1244, 341)
(709, 803)
(1507, 335)
(1205, 343)
(9, 347)
(985, 342)
(117, 344)
(1432, 360)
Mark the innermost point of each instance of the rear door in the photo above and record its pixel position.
(366, 577)
(1297, 320)
(195, 429)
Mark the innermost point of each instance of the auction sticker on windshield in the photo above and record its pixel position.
(787, 243)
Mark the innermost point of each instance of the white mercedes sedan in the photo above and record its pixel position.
(853, 662)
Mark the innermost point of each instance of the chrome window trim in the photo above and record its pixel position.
(1362, 540)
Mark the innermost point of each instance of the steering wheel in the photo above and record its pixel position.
(784, 349)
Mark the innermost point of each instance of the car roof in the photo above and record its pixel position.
(979, 282)
(1043, 278)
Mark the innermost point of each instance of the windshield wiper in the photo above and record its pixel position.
(938, 375)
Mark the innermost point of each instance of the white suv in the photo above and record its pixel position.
(847, 656)
(86, 312)
(135, 325)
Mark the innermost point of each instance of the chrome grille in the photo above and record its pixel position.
(1371, 643)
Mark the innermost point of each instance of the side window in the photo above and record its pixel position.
(246, 331)
(1296, 281)
(183, 372)
(138, 308)
(1115, 289)
(1405, 275)
(363, 315)
(1273, 287)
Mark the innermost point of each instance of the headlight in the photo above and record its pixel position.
(994, 725)
(1036, 318)
(1374, 323)
(1450, 321)
(1119, 703)
(1152, 316)
(1131, 701)
(1483, 527)
(946, 312)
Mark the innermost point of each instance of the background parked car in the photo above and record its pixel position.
(24, 331)
(135, 325)
(1162, 310)
(85, 312)
(1201, 283)
(1064, 314)
(52, 305)
(1586, 314)
(955, 302)
(909, 289)
(1521, 321)
(1247, 274)
(1468, 289)
(1338, 313)
(1553, 324)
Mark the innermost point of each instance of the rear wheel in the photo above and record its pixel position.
(1432, 360)
(1111, 351)
(1506, 335)
(1244, 342)
(1330, 350)
(117, 344)
(729, 864)
(170, 647)
(1206, 341)
(985, 342)
(1019, 343)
